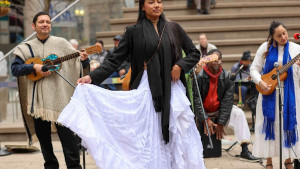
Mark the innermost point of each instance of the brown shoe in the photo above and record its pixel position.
(287, 164)
(269, 166)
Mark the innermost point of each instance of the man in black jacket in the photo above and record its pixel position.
(217, 94)
(124, 67)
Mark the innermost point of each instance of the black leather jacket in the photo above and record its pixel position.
(225, 95)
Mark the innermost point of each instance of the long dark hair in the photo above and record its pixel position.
(270, 39)
(142, 14)
(172, 29)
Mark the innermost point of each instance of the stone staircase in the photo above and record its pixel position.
(179, 8)
(232, 25)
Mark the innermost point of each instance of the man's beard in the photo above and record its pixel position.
(216, 67)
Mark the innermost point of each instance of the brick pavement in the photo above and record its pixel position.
(35, 160)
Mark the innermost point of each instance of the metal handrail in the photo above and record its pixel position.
(55, 17)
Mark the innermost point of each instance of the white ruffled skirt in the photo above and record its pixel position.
(121, 129)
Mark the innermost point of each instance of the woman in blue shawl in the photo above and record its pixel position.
(278, 49)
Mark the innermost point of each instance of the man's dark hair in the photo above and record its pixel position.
(217, 51)
(246, 55)
(100, 41)
(39, 14)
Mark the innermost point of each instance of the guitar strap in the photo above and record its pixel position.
(34, 84)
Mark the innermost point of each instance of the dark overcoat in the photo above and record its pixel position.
(133, 45)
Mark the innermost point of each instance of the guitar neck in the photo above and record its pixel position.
(65, 58)
(289, 64)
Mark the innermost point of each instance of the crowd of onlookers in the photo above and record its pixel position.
(96, 59)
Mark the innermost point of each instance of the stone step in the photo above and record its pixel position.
(215, 33)
(188, 21)
(271, 1)
(170, 2)
(230, 45)
(167, 2)
(228, 60)
(17, 133)
(236, 46)
(232, 49)
(223, 8)
(236, 32)
(176, 2)
(12, 132)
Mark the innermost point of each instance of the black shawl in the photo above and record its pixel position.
(159, 70)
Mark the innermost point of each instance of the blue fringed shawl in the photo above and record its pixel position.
(289, 109)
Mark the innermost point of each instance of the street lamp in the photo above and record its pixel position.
(79, 13)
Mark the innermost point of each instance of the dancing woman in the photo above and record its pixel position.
(152, 125)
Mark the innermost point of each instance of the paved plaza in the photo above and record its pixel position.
(35, 160)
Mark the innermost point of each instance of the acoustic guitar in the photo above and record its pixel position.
(271, 77)
(55, 60)
(126, 80)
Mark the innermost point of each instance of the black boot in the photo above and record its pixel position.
(205, 11)
(296, 164)
(246, 155)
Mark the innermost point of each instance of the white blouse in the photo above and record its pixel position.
(259, 61)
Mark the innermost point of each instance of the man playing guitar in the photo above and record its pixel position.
(43, 100)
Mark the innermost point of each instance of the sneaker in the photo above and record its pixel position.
(198, 11)
(205, 11)
(247, 156)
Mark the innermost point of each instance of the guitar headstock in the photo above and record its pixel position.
(209, 58)
(93, 49)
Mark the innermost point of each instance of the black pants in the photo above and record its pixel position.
(68, 141)
(296, 164)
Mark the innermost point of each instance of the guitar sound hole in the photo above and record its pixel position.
(274, 77)
(48, 63)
